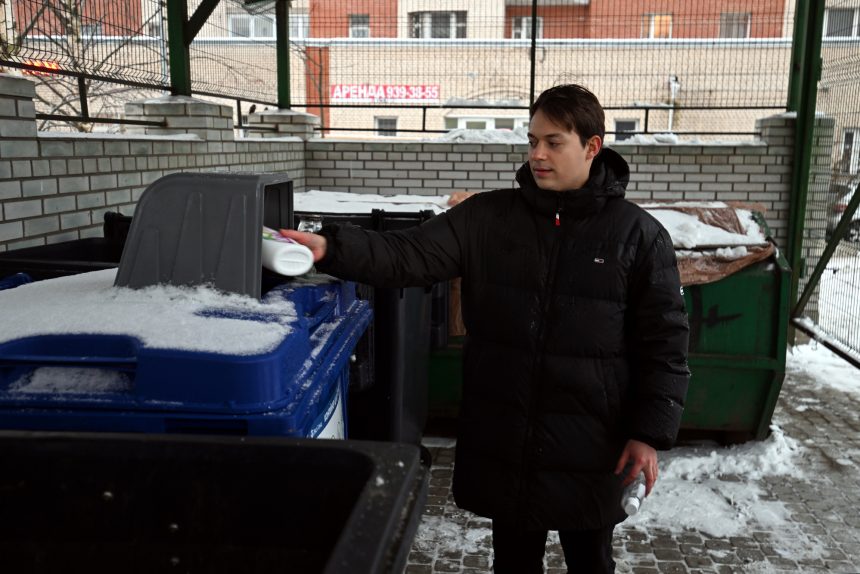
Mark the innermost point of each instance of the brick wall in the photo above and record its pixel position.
(757, 172)
(57, 187)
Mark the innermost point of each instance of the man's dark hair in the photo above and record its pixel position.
(573, 107)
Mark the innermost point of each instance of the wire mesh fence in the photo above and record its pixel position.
(835, 305)
(108, 50)
(699, 67)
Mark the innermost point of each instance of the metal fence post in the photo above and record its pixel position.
(180, 57)
(533, 53)
(803, 92)
(282, 35)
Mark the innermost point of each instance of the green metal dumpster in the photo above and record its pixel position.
(738, 330)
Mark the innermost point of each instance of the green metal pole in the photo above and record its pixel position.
(282, 35)
(798, 51)
(180, 58)
(807, 87)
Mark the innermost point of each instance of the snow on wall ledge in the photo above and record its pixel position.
(55, 188)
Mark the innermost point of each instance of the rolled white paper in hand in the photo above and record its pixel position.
(285, 256)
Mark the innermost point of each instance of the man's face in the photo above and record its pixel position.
(557, 158)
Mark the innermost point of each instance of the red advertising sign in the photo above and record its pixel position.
(42, 67)
(383, 93)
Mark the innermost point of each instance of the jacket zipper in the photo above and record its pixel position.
(546, 301)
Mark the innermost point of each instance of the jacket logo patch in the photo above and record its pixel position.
(598, 260)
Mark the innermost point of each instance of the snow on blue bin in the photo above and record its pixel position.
(78, 354)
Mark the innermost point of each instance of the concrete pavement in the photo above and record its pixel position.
(820, 532)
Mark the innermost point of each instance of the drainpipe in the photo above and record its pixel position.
(674, 86)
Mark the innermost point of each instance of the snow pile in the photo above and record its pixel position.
(688, 232)
(713, 492)
(824, 367)
(515, 136)
(452, 535)
(52, 380)
(681, 204)
(198, 319)
(731, 253)
(316, 201)
(639, 139)
(775, 456)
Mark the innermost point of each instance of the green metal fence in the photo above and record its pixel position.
(829, 285)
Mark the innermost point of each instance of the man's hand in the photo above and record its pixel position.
(642, 458)
(316, 243)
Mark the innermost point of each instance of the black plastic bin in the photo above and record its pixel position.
(389, 382)
(155, 503)
(70, 257)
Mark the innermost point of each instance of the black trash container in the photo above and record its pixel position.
(70, 257)
(389, 379)
(158, 503)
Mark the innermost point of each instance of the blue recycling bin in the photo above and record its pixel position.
(110, 374)
(13, 281)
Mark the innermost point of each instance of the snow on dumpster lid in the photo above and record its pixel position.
(161, 317)
(695, 227)
(316, 201)
(692, 225)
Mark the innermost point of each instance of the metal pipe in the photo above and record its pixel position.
(533, 53)
(804, 134)
(282, 38)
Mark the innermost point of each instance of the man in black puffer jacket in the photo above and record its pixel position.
(575, 364)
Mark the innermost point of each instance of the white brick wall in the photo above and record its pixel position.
(55, 188)
(757, 172)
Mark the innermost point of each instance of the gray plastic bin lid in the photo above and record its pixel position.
(204, 228)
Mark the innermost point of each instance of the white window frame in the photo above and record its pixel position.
(385, 132)
(651, 19)
(734, 21)
(425, 23)
(625, 134)
(359, 30)
(854, 31)
(854, 153)
(300, 25)
(490, 121)
(252, 24)
(521, 27)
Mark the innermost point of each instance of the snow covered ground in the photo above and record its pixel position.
(785, 504)
(839, 296)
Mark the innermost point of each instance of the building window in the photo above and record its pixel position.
(735, 25)
(385, 126)
(624, 129)
(842, 23)
(521, 28)
(485, 123)
(850, 160)
(251, 25)
(437, 25)
(359, 26)
(90, 30)
(299, 26)
(657, 26)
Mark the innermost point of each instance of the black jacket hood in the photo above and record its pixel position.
(607, 179)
